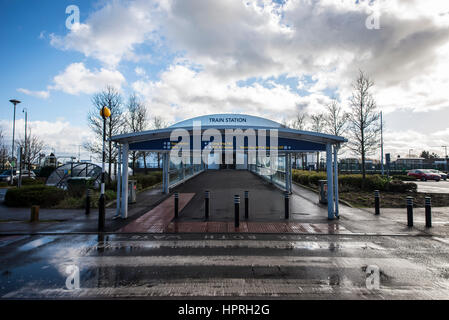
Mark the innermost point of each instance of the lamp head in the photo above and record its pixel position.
(105, 112)
(14, 101)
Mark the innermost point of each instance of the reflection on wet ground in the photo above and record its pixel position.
(145, 266)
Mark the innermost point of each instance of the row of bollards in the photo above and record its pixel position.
(236, 206)
(409, 202)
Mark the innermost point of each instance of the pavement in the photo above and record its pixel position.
(306, 257)
(16, 220)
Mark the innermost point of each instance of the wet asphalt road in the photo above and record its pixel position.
(198, 265)
(433, 186)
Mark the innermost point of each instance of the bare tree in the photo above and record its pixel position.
(364, 123)
(317, 124)
(137, 121)
(299, 123)
(34, 146)
(112, 99)
(3, 151)
(336, 119)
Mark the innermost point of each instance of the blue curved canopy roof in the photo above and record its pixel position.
(290, 140)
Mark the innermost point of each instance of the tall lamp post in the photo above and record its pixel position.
(104, 113)
(14, 102)
(25, 110)
(381, 144)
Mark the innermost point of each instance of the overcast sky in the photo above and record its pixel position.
(193, 57)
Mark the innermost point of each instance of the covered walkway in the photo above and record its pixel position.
(247, 143)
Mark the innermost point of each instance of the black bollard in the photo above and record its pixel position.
(377, 202)
(287, 205)
(428, 213)
(410, 211)
(88, 192)
(246, 205)
(206, 204)
(176, 205)
(237, 211)
(34, 214)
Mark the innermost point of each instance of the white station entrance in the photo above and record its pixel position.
(268, 135)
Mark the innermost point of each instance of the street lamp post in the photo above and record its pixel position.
(104, 113)
(26, 139)
(14, 102)
(381, 144)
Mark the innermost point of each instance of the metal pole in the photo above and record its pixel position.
(13, 138)
(237, 211)
(428, 213)
(119, 182)
(246, 205)
(287, 205)
(377, 202)
(176, 205)
(410, 211)
(336, 195)
(330, 183)
(206, 204)
(20, 153)
(381, 144)
(101, 206)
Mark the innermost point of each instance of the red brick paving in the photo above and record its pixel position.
(254, 227)
(159, 220)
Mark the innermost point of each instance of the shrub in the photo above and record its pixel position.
(400, 186)
(145, 181)
(40, 195)
(32, 182)
(308, 177)
(354, 182)
(403, 177)
(77, 186)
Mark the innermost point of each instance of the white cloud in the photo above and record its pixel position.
(182, 92)
(111, 33)
(59, 135)
(39, 94)
(76, 79)
(219, 43)
(414, 142)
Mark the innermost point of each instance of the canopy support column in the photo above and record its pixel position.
(330, 183)
(288, 172)
(125, 156)
(119, 186)
(336, 147)
(165, 172)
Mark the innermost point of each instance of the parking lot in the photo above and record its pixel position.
(433, 186)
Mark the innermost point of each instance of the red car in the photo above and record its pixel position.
(424, 175)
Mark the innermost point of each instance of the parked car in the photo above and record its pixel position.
(6, 175)
(424, 175)
(441, 173)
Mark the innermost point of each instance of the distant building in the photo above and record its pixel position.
(410, 161)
